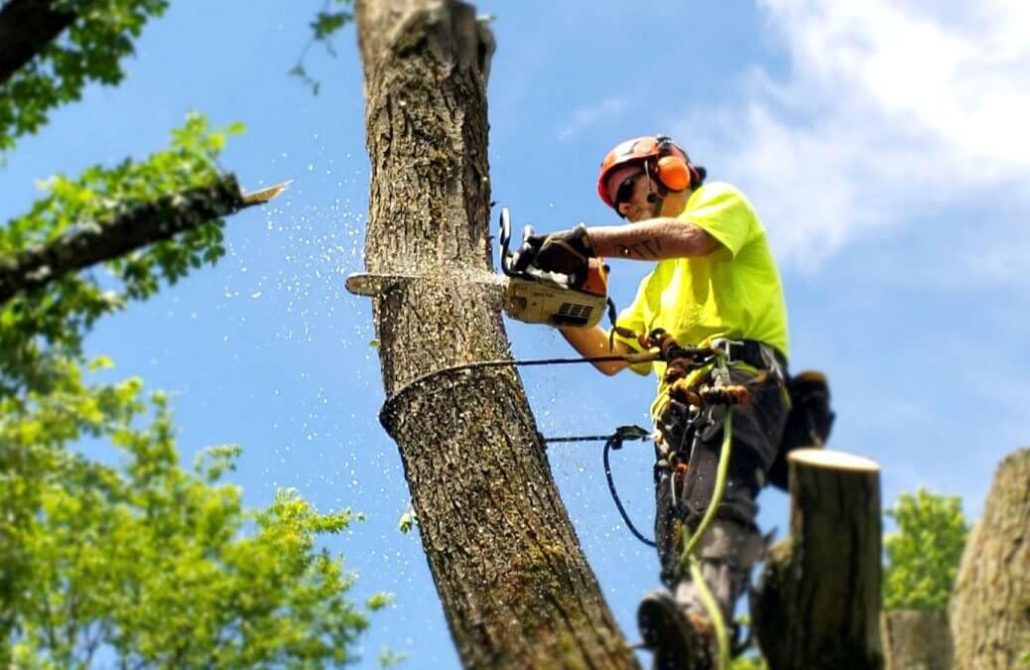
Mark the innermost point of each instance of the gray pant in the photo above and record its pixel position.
(733, 544)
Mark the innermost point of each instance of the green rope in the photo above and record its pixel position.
(688, 557)
(721, 635)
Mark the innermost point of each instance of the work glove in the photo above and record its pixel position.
(566, 251)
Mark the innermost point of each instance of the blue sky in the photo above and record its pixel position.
(883, 144)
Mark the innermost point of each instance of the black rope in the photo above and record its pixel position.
(608, 446)
(613, 441)
(655, 354)
(391, 400)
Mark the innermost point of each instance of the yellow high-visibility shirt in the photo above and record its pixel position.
(734, 292)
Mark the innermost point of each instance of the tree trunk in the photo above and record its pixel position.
(818, 602)
(514, 584)
(916, 640)
(990, 607)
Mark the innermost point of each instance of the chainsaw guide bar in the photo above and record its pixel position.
(371, 285)
(525, 291)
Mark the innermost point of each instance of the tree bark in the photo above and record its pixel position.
(26, 28)
(817, 605)
(514, 585)
(139, 225)
(916, 640)
(990, 606)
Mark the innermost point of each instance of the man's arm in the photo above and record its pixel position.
(652, 240)
(590, 342)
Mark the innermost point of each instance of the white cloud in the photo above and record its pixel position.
(586, 116)
(890, 110)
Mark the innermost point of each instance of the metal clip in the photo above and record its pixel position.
(725, 345)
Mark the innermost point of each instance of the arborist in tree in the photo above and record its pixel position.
(716, 285)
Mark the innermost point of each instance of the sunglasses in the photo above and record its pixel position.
(625, 191)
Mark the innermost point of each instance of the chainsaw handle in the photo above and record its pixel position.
(507, 258)
(526, 253)
(515, 263)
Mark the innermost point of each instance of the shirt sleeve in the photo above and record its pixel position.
(632, 318)
(721, 211)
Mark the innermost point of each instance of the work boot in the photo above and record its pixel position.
(679, 640)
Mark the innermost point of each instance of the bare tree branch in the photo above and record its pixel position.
(26, 28)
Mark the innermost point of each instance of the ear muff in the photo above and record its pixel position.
(671, 167)
(673, 173)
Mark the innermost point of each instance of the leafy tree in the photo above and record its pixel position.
(143, 562)
(923, 554)
(156, 565)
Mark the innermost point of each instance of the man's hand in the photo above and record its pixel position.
(566, 251)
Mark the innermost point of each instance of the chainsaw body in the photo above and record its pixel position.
(533, 295)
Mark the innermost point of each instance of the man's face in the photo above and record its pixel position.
(628, 188)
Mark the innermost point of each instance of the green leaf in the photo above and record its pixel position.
(327, 23)
(378, 601)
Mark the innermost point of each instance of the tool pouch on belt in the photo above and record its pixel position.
(808, 422)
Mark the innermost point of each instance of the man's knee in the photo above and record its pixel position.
(726, 553)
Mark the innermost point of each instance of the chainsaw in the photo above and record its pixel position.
(533, 295)
(528, 293)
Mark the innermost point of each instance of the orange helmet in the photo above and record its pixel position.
(667, 159)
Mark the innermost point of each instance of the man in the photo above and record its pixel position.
(715, 284)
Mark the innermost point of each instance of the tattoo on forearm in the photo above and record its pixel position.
(645, 249)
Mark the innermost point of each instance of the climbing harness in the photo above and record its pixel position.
(686, 377)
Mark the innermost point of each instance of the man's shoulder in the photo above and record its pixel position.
(719, 198)
(719, 190)
(718, 186)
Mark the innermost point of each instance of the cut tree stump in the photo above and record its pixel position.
(916, 640)
(990, 607)
(817, 604)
